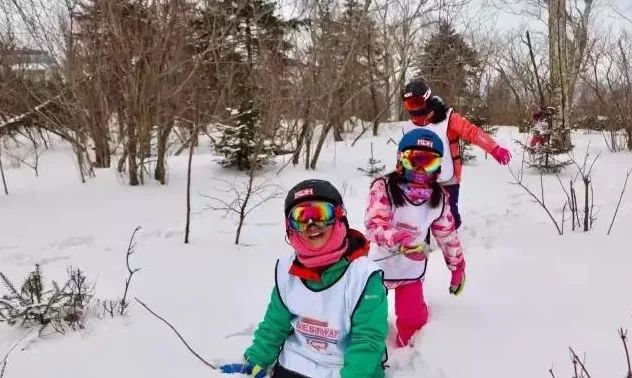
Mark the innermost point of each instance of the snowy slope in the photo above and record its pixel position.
(530, 293)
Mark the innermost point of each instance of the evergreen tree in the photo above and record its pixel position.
(252, 41)
(453, 70)
(374, 167)
(241, 143)
(239, 38)
(451, 67)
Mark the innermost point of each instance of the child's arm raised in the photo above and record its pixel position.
(468, 131)
(271, 333)
(444, 231)
(369, 327)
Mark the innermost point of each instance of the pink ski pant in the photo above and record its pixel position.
(410, 309)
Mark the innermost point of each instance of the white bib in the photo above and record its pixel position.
(322, 319)
(417, 218)
(441, 129)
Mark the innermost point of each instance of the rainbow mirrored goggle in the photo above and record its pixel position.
(318, 213)
(420, 160)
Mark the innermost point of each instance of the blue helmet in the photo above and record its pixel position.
(421, 139)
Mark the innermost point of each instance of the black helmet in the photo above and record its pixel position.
(417, 87)
(312, 190)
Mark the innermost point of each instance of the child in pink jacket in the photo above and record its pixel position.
(402, 207)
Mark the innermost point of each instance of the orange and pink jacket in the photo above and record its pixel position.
(460, 127)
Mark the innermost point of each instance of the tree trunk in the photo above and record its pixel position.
(244, 205)
(374, 104)
(586, 206)
(102, 157)
(4, 182)
(400, 104)
(337, 130)
(160, 174)
(319, 146)
(560, 137)
(628, 94)
(337, 110)
(192, 145)
(99, 131)
(299, 143)
(390, 74)
(308, 148)
(132, 163)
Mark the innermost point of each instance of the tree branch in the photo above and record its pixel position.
(623, 333)
(578, 361)
(178, 334)
(627, 176)
(537, 199)
(130, 250)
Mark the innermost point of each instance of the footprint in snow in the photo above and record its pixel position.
(409, 362)
(172, 234)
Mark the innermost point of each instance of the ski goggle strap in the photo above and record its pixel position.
(420, 160)
(318, 213)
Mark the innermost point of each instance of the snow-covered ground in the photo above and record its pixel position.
(530, 293)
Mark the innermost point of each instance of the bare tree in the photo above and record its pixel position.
(402, 25)
(243, 198)
(540, 200)
(131, 248)
(568, 23)
(585, 172)
(517, 78)
(192, 144)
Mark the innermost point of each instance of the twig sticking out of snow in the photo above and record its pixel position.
(178, 334)
(5, 360)
(578, 361)
(539, 200)
(131, 248)
(623, 333)
(586, 174)
(619, 203)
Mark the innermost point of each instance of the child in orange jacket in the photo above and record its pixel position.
(429, 111)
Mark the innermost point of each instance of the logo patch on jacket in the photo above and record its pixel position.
(317, 333)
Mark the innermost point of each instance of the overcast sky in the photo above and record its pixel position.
(505, 19)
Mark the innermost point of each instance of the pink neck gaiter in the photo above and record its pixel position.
(328, 254)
